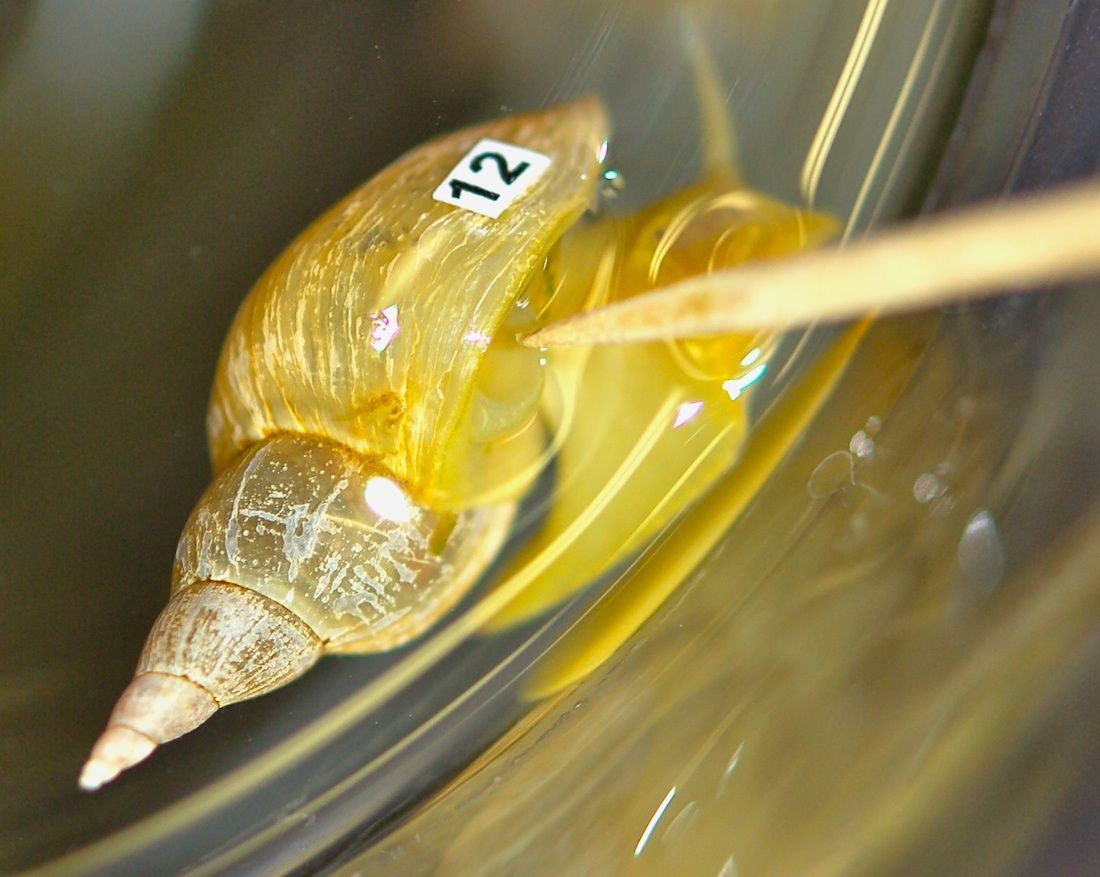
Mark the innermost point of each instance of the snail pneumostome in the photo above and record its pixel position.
(374, 421)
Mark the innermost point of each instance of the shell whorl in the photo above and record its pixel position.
(213, 644)
(299, 357)
(336, 539)
(301, 546)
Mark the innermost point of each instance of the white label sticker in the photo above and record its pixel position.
(491, 176)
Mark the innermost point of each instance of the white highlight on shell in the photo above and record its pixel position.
(384, 328)
(735, 386)
(386, 499)
(687, 412)
(479, 339)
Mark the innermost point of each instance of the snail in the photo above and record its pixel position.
(374, 421)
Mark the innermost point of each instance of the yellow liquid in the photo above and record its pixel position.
(854, 681)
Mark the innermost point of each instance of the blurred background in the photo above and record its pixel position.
(887, 665)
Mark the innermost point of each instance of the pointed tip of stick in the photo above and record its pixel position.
(570, 332)
(532, 340)
(974, 254)
(652, 316)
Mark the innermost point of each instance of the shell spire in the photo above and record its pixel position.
(213, 644)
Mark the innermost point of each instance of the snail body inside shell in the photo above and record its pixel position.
(373, 421)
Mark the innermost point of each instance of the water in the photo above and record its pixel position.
(884, 664)
(858, 679)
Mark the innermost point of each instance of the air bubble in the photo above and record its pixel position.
(927, 487)
(862, 445)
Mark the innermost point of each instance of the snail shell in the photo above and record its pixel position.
(373, 421)
(364, 478)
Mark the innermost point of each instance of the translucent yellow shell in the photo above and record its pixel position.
(373, 421)
(330, 535)
(368, 454)
(299, 356)
(647, 428)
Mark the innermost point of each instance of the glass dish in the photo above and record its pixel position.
(884, 663)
